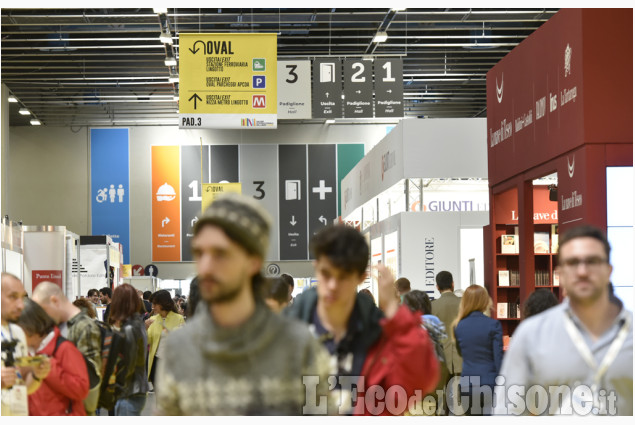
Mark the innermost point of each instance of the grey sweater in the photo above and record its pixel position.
(255, 369)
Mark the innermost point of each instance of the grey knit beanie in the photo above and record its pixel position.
(243, 220)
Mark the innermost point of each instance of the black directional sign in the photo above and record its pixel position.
(388, 88)
(191, 192)
(224, 163)
(327, 88)
(322, 187)
(293, 202)
(358, 88)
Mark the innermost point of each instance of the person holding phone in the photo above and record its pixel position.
(63, 390)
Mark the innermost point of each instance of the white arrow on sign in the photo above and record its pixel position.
(194, 220)
(165, 221)
(327, 94)
(323, 220)
(358, 91)
(389, 91)
(293, 222)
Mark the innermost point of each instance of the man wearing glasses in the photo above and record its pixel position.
(575, 358)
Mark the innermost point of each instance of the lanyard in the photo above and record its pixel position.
(10, 334)
(585, 352)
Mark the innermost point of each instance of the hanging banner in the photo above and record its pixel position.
(228, 80)
(294, 90)
(322, 194)
(327, 88)
(166, 211)
(212, 190)
(293, 202)
(110, 185)
(388, 88)
(358, 88)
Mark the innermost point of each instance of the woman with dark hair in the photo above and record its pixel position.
(479, 340)
(63, 391)
(539, 301)
(193, 299)
(125, 315)
(166, 319)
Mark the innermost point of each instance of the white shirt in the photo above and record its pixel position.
(12, 332)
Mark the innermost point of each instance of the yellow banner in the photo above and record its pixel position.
(126, 270)
(212, 190)
(229, 74)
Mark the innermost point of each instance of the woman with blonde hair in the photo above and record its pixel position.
(479, 340)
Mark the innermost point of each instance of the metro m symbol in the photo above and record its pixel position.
(259, 101)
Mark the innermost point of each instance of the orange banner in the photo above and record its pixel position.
(166, 202)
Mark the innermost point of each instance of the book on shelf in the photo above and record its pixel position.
(514, 278)
(541, 278)
(554, 238)
(509, 244)
(541, 243)
(503, 278)
(501, 310)
(556, 278)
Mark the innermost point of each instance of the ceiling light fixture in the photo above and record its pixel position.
(175, 98)
(174, 78)
(36, 122)
(170, 61)
(160, 10)
(380, 37)
(13, 99)
(24, 111)
(166, 38)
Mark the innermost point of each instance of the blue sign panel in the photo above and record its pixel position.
(110, 185)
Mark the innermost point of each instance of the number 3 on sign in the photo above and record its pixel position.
(259, 185)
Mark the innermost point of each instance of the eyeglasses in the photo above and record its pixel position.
(591, 262)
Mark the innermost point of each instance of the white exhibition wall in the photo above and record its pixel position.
(47, 175)
(432, 242)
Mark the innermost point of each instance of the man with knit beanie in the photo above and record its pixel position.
(237, 357)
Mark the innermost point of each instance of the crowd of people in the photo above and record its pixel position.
(240, 344)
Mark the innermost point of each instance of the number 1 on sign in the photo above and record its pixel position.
(194, 186)
(388, 67)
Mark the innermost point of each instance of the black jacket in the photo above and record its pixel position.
(366, 329)
(133, 379)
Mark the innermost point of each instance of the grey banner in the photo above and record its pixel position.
(191, 192)
(388, 88)
(358, 88)
(259, 178)
(327, 88)
(293, 202)
(322, 187)
(224, 163)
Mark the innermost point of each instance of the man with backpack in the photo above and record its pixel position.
(78, 328)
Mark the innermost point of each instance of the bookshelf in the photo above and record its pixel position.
(519, 267)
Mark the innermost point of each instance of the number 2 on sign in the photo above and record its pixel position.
(194, 186)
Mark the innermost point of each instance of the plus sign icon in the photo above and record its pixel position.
(322, 187)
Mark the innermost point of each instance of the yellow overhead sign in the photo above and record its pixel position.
(228, 80)
(212, 190)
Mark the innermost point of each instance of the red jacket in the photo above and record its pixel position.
(402, 363)
(66, 386)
